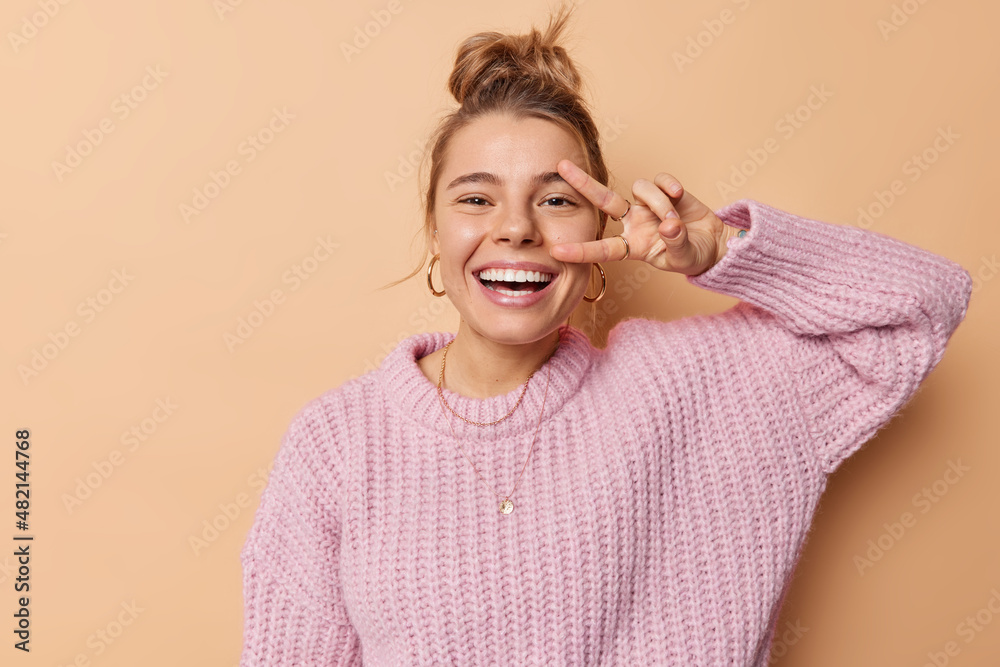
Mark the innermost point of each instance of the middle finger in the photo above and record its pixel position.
(652, 195)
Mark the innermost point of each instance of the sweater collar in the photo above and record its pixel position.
(416, 398)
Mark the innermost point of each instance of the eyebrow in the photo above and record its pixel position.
(493, 179)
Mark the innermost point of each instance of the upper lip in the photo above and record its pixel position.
(516, 266)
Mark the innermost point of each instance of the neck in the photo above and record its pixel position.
(479, 367)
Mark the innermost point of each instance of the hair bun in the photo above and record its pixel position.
(491, 59)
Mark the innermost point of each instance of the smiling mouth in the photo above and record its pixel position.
(514, 283)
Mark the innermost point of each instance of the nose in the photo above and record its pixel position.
(516, 227)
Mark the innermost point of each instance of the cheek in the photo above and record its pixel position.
(578, 230)
(579, 275)
(455, 254)
(459, 240)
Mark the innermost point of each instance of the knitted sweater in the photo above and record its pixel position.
(667, 497)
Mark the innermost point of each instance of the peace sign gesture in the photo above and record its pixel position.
(665, 227)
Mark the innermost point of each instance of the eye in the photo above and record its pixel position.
(561, 202)
(475, 201)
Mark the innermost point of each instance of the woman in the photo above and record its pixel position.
(510, 495)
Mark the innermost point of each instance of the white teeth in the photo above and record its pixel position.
(519, 276)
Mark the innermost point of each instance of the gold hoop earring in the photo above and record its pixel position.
(604, 285)
(430, 284)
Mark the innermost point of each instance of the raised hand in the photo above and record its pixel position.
(666, 226)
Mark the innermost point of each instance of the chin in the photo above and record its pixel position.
(511, 321)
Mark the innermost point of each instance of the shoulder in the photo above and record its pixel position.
(324, 417)
(636, 334)
(316, 458)
(362, 393)
(353, 410)
(695, 348)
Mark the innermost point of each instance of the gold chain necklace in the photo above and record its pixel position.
(505, 506)
(444, 358)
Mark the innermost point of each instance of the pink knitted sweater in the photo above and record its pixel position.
(668, 495)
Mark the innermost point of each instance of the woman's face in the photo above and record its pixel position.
(500, 204)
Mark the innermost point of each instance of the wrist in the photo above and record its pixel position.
(728, 232)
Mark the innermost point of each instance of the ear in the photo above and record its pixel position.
(435, 246)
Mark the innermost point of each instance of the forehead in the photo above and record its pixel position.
(514, 149)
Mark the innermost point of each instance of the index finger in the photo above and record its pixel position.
(602, 250)
(600, 195)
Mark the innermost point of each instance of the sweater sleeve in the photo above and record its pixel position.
(861, 318)
(293, 607)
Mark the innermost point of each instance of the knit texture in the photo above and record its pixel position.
(668, 496)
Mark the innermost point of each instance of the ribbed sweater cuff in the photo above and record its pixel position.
(820, 278)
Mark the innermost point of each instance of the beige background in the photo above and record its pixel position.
(330, 192)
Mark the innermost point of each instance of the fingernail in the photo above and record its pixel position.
(673, 233)
(675, 189)
(671, 214)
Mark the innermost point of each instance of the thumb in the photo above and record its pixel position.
(674, 235)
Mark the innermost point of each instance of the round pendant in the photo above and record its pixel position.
(506, 507)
